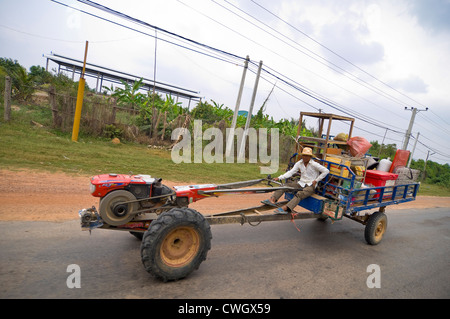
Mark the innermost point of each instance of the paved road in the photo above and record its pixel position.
(272, 260)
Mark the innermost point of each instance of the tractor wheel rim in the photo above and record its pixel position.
(180, 246)
(379, 231)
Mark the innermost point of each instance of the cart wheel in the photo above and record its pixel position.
(176, 244)
(375, 228)
(113, 212)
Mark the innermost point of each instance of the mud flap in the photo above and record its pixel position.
(90, 219)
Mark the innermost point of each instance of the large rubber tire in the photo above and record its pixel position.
(111, 210)
(176, 243)
(375, 228)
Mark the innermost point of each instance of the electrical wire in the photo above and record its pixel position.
(228, 57)
(334, 53)
(317, 58)
(391, 97)
(295, 86)
(143, 23)
(325, 101)
(145, 33)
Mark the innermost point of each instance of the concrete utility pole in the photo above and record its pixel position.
(425, 166)
(411, 123)
(414, 148)
(250, 111)
(230, 138)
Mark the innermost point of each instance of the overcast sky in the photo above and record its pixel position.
(372, 58)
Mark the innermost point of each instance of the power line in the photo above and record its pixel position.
(434, 150)
(39, 36)
(211, 55)
(317, 58)
(296, 86)
(333, 52)
(433, 142)
(436, 124)
(440, 117)
(231, 58)
(323, 100)
(143, 23)
(360, 116)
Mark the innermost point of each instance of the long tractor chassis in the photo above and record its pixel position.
(176, 238)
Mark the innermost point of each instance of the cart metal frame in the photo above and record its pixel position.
(176, 238)
(329, 201)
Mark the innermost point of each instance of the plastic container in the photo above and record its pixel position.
(384, 165)
(400, 159)
(379, 178)
(335, 169)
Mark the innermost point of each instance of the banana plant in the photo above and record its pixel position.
(129, 94)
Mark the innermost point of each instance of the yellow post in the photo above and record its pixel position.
(80, 95)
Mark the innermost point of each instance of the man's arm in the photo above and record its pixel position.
(323, 171)
(291, 172)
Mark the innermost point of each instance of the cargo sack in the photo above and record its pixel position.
(358, 146)
(406, 175)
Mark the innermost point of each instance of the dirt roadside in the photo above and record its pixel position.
(56, 197)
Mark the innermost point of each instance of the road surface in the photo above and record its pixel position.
(273, 260)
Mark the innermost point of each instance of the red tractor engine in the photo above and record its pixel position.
(123, 196)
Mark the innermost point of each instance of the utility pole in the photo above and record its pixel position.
(382, 142)
(249, 115)
(425, 166)
(411, 123)
(414, 148)
(230, 138)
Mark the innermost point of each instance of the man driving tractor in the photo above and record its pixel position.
(311, 173)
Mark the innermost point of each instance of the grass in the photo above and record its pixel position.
(433, 190)
(26, 146)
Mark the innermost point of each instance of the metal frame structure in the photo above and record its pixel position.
(321, 143)
(346, 202)
(104, 74)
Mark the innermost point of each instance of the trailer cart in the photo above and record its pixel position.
(176, 238)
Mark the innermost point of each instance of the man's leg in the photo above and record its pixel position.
(304, 193)
(277, 194)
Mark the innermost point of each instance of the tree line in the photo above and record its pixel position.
(156, 116)
(432, 172)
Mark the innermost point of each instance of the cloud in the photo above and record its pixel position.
(340, 26)
(433, 15)
(351, 44)
(411, 84)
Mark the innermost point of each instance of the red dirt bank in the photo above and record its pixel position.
(40, 196)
